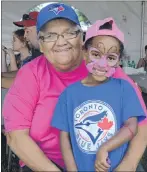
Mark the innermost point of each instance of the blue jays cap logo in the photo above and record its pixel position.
(56, 8)
(94, 124)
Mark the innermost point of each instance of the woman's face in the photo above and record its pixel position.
(63, 53)
(105, 50)
(17, 44)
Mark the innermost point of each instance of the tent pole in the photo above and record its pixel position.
(142, 28)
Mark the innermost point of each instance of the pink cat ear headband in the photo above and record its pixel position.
(94, 30)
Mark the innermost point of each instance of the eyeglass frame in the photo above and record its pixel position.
(58, 35)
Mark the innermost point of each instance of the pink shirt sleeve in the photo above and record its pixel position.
(120, 74)
(21, 100)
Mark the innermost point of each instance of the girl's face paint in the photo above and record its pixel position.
(102, 56)
(102, 65)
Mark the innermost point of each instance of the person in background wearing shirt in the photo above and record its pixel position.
(143, 61)
(4, 59)
(29, 24)
(20, 45)
(93, 115)
(28, 108)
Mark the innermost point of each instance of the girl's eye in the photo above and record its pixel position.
(112, 57)
(95, 54)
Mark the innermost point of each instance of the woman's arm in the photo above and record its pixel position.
(125, 134)
(9, 74)
(4, 65)
(122, 136)
(13, 64)
(135, 151)
(139, 142)
(67, 152)
(6, 82)
(18, 112)
(28, 151)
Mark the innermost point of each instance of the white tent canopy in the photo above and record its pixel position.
(127, 15)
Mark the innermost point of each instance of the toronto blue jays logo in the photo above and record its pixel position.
(56, 9)
(94, 124)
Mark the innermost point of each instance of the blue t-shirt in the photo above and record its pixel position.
(92, 115)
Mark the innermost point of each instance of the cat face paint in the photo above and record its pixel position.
(102, 64)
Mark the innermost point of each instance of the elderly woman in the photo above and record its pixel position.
(29, 105)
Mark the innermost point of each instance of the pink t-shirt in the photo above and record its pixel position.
(32, 98)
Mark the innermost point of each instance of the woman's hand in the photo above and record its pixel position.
(4, 48)
(29, 152)
(13, 62)
(3, 59)
(10, 52)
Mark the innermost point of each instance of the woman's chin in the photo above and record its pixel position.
(64, 67)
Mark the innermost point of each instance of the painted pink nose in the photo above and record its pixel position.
(103, 62)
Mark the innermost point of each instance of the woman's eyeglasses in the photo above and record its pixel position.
(52, 37)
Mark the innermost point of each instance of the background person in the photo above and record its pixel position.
(29, 24)
(21, 46)
(143, 61)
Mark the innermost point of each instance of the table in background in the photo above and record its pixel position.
(141, 80)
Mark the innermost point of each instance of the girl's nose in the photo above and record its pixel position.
(103, 62)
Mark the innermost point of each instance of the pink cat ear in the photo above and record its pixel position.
(111, 22)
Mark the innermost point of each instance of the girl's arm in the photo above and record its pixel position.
(67, 152)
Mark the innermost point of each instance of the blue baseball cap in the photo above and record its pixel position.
(54, 11)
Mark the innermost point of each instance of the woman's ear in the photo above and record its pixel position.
(40, 46)
(85, 53)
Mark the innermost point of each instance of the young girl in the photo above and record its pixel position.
(95, 115)
(19, 45)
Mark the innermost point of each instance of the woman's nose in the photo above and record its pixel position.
(61, 41)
